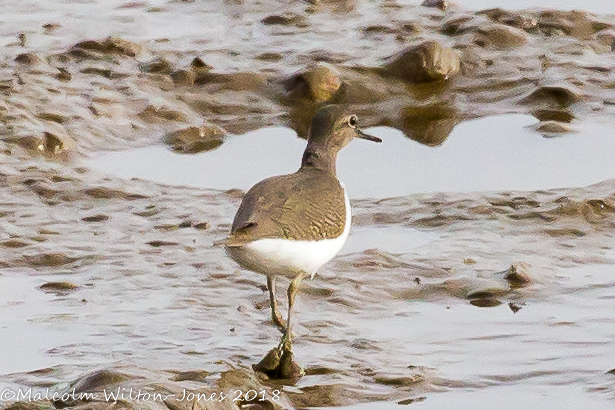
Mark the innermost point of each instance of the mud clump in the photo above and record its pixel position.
(288, 19)
(521, 20)
(500, 37)
(156, 66)
(485, 302)
(518, 275)
(441, 5)
(196, 376)
(108, 46)
(95, 218)
(48, 260)
(27, 59)
(155, 115)
(193, 140)
(319, 83)
(550, 97)
(108, 193)
(58, 287)
(577, 24)
(429, 61)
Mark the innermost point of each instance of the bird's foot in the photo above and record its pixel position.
(279, 363)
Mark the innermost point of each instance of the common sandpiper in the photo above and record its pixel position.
(291, 225)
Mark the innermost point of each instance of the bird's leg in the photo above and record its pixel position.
(276, 318)
(286, 343)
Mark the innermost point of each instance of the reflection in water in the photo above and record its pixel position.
(493, 153)
(431, 124)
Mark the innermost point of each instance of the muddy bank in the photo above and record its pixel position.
(435, 294)
(129, 277)
(419, 69)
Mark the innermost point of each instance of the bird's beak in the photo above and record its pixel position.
(362, 135)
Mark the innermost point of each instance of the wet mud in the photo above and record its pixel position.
(123, 283)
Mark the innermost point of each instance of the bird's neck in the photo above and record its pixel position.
(320, 157)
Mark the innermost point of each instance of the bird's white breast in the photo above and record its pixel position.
(273, 256)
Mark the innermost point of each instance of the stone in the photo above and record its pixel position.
(429, 61)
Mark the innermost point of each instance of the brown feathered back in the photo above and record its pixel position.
(306, 205)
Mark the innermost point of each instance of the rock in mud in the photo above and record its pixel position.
(500, 37)
(429, 61)
(319, 83)
(110, 45)
(192, 140)
(518, 275)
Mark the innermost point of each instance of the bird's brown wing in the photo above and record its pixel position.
(307, 205)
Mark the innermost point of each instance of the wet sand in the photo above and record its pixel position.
(486, 280)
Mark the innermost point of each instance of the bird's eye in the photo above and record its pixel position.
(353, 121)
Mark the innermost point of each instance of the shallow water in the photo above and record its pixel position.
(395, 317)
(493, 153)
